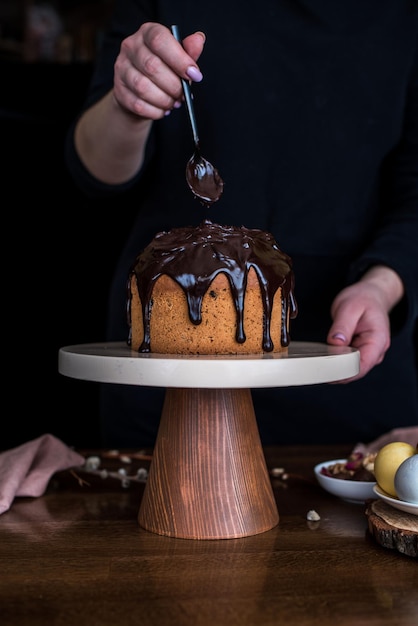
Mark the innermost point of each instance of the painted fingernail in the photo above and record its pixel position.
(194, 74)
(177, 104)
(166, 113)
(339, 336)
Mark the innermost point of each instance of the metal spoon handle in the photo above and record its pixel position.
(187, 95)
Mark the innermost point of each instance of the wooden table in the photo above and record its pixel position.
(77, 556)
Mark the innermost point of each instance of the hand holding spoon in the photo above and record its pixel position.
(201, 176)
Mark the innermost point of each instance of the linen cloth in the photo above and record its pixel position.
(26, 470)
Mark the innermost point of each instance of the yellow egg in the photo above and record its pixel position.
(387, 461)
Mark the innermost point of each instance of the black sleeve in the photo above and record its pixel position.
(395, 241)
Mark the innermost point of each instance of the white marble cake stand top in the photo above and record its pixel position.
(304, 364)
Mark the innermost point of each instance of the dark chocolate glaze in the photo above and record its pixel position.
(193, 256)
(204, 180)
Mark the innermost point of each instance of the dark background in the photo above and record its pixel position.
(59, 248)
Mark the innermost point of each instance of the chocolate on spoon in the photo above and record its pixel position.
(202, 177)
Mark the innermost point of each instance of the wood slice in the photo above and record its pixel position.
(392, 528)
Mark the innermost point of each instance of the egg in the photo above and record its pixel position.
(406, 480)
(387, 462)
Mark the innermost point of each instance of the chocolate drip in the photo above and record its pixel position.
(209, 250)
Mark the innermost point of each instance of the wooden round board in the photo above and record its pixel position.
(392, 528)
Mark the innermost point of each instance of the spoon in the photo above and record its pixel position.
(201, 176)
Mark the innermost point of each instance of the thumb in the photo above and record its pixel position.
(193, 44)
(338, 337)
(345, 315)
(342, 329)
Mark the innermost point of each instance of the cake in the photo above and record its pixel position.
(211, 289)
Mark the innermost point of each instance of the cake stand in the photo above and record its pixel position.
(208, 477)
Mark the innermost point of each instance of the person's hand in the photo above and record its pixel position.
(148, 69)
(111, 136)
(406, 434)
(360, 316)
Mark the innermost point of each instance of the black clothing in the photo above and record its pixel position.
(309, 109)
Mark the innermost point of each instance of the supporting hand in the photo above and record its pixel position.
(360, 316)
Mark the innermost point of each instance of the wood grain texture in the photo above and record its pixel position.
(77, 556)
(392, 528)
(208, 478)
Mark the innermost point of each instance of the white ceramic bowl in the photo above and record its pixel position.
(357, 491)
(401, 505)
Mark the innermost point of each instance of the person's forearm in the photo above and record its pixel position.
(388, 282)
(111, 142)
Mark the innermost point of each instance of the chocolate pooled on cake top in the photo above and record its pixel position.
(194, 256)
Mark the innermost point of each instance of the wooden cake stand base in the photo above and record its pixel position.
(208, 477)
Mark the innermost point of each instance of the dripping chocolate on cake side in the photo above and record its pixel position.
(211, 289)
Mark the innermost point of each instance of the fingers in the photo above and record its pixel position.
(407, 434)
(149, 67)
(371, 354)
(372, 348)
(194, 45)
(361, 322)
(180, 56)
(345, 318)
